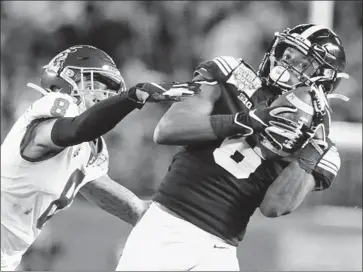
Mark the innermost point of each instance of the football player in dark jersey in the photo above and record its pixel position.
(222, 174)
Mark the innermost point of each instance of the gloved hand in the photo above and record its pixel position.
(157, 92)
(320, 125)
(264, 117)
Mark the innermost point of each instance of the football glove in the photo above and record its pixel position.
(282, 136)
(265, 120)
(262, 117)
(157, 92)
(318, 126)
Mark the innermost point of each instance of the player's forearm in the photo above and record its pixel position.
(183, 129)
(187, 128)
(287, 191)
(115, 199)
(93, 123)
(188, 121)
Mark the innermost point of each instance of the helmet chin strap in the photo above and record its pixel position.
(338, 96)
(343, 75)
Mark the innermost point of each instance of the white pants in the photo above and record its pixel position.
(161, 241)
(10, 255)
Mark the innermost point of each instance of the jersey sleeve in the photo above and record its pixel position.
(220, 67)
(52, 105)
(327, 168)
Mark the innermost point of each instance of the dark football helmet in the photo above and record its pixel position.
(320, 44)
(67, 71)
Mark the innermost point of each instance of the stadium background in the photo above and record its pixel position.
(156, 41)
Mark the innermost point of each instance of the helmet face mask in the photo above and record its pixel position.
(290, 68)
(72, 68)
(318, 45)
(77, 77)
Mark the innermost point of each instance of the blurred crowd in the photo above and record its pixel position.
(162, 41)
(156, 41)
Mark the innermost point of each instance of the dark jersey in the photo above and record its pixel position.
(217, 185)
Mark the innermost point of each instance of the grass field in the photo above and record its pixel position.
(320, 238)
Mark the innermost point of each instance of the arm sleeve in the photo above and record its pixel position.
(92, 123)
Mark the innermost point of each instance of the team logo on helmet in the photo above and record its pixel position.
(56, 64)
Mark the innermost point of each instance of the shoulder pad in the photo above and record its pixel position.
(52, 105)
(227, 63)
(218, 69)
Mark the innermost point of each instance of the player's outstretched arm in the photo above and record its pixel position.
(313, 169)
(189, 120)
(115, 199)
(47, 136)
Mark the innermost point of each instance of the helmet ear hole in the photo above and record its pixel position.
(53, 88)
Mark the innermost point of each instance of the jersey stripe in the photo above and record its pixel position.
(326, 163)
(230, 61)
(327, 168)
(221, 67)
(225, 64)
(332, 157)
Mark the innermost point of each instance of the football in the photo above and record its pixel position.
(301, 99)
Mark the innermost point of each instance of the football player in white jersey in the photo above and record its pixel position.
(55, 148)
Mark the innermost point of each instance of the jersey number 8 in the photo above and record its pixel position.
(237, 157)
(59, 107)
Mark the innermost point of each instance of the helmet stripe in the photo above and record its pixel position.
(311, 30)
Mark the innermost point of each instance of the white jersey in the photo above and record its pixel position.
(32, 192)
